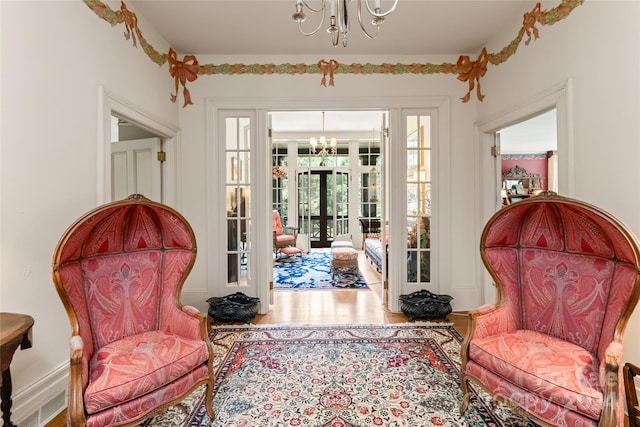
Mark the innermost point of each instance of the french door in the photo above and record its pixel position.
(323, 205)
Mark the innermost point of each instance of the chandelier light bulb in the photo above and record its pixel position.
(325, 149)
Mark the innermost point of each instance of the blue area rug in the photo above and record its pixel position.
(313, 271)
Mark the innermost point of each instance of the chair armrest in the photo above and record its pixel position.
(75, 407)
(491, 319)
(186, 321)
(190, 310)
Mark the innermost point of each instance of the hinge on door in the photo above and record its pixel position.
(162, 156)
(495, 151)
(270, 133)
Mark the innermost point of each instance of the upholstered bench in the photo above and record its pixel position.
(344, 260)
(341, 244)
(291, 251)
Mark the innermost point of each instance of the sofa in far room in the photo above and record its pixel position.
(418, 237)
(374, 251)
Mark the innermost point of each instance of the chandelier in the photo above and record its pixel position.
(325, 148)
(339, 18)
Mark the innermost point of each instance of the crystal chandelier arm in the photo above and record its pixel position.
(378, 18)
(321, 9)
(364, 30)
(299, 16)
(312, 32)
(378, 14)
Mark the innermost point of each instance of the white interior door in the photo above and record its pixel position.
(135, 168)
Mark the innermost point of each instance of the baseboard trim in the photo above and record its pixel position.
(196, 298)
(43, 399)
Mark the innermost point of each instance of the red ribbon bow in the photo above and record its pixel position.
(183, 71)
(327, 67)
(130, 23)
(529, 23)
(472, 71)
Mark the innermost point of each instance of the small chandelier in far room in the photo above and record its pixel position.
(339, 18)
(325, 149)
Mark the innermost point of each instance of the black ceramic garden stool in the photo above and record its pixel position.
(423, 304)
(236, 307)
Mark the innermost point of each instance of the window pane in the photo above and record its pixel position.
(232, 235)
(412, 131)
(244, 134)
(232, 133)
(243, 167)
(425, 266)
(412, 199)
(424, 170)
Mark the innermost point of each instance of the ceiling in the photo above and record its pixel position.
(265, 27)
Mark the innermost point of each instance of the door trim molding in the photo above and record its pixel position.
(110, 103)
(559, 97)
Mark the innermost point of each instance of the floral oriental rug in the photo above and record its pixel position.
(313, 271)
(337, 376)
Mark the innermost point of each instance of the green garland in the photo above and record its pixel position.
(466, 69)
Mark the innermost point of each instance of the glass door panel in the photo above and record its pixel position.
(238, 200)
(418, 199)
(341, 201)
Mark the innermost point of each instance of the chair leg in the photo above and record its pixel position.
(209, 402)
(465, 396)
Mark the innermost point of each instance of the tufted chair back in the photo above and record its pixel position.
(568, 278)
(119, 271)
(570, 271)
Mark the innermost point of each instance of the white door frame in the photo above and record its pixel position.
(559, 97)
(262, 203)
(110, 104)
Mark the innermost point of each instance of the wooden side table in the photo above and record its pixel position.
(15, 330)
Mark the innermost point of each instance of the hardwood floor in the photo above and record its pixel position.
(340, 307)
(330, 307)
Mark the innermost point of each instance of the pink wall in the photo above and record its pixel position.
(532, 163)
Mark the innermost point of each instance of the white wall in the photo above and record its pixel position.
(598, 47)
(193, 122)
(54, 57)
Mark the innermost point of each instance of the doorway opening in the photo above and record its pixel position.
(328, 194)
(161, 184)
(136, 161)
(328, 214)
(528, 157)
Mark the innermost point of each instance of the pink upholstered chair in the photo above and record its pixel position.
(135, 349)
(567, 275)
(280, 238)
